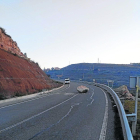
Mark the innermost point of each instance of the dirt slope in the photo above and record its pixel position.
(19, 76)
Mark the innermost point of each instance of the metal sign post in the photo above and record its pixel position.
(134, 83)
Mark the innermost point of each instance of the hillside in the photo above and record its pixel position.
(120, 73)
(18, 74)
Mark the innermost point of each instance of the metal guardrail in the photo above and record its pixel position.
(124, 122)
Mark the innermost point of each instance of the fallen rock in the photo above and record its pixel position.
(82, 89)
(124, 92)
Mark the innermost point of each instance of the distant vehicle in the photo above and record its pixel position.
(67, 81)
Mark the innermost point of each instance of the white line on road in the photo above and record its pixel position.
(25, 101)
(105, 121)
(91, 97)
(12, 126)
(72, 106)
(42, 96)
(91, 102)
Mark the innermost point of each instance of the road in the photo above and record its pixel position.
(63, 114)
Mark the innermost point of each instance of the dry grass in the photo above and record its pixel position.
(130, 106)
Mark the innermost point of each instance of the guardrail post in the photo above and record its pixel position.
(133, 118)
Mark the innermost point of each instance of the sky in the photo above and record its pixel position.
(57, 33)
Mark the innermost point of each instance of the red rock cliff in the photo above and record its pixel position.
(7, 44)
(19, 76)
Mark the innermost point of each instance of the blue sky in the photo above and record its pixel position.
(56, 33)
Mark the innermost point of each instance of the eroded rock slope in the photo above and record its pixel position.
(19, 76)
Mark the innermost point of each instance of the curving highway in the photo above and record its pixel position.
(62, 114)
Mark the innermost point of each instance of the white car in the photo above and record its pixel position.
(67, 81)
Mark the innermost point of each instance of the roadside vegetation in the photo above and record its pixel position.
(129, 107)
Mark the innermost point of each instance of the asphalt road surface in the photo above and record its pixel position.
(63, 114)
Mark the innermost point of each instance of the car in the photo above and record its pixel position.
(67, 81)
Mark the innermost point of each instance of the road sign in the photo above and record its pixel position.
(134, 81)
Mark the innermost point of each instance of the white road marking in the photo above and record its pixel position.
(68, 112)
(12, 126)
(91, 102)
(69, 94)
(25, 101)
(105, 121)
(42, 96)
(72, 106)
(91, 98)
(92, 95)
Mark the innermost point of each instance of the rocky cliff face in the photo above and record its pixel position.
(7, 44)
(18, 75)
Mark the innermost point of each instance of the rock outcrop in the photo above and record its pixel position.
(19, 75)
(7, 44)
(82, 89)
(124, 92)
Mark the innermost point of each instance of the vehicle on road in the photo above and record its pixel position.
(67, 81)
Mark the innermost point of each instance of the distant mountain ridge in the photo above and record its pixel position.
(101, 72)
(88, 66)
